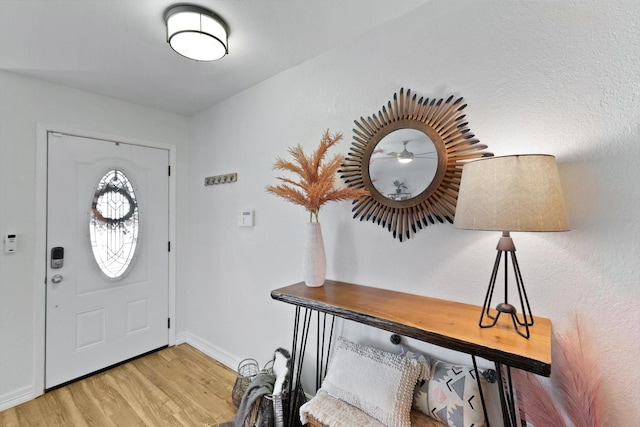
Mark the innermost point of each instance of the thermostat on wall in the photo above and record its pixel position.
(245, 218)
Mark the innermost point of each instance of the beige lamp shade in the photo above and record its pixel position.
(511, 193)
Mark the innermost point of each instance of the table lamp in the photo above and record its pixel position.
(510, 193)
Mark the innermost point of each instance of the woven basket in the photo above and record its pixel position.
(247, 371)
(273, 411)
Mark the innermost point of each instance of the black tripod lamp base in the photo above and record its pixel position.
(520, 323)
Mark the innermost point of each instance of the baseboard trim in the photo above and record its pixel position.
(181, 337)
(16, 397)
(213, 351)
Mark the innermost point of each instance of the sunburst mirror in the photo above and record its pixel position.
(410, 156)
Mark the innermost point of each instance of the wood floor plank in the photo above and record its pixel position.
(148, 401)
(177, 386)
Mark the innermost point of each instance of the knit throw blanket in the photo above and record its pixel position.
(249, 409)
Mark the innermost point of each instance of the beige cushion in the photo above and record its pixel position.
(333, 412)
(327, 411)
(381, 384)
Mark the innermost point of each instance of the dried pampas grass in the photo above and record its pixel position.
(315, 186)
(576, 378)
(539, 407)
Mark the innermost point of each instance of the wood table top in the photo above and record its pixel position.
(444, 323)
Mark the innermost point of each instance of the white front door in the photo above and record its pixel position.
(107, 262)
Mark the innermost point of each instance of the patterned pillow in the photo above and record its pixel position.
(451, 396)
(380, 384)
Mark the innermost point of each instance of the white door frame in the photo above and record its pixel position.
(40, 260)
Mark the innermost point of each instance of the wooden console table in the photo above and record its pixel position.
(443, 323)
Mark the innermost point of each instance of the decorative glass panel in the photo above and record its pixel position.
(113, 224)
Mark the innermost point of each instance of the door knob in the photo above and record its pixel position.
(56, 278)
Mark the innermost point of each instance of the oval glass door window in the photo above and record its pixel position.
(113, 224)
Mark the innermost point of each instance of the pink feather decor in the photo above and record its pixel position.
(576, 378)
(539, 407)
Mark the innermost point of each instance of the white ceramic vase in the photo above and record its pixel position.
(314, 258)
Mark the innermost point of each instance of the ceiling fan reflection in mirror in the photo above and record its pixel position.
(405, 156)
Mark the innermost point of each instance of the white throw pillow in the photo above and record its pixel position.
(380, 384)
(335, 412)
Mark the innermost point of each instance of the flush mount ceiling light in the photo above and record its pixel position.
(196, 33)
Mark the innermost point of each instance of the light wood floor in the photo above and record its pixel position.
(177, 386)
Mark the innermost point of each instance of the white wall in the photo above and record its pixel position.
(553, 77)
(539, 77)
(25, 102)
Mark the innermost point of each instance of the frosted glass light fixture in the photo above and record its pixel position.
(196, 33)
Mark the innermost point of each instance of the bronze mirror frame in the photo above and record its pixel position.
(443, 122)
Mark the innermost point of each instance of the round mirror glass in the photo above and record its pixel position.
(403, 164)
